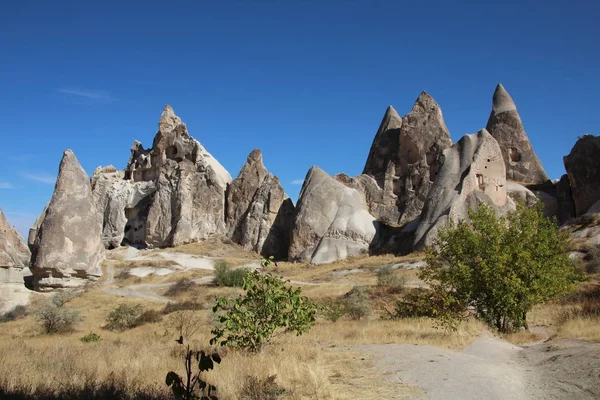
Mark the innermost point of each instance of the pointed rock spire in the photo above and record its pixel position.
(168, 119)
(504, 124)
(68, 247)
(412, 145)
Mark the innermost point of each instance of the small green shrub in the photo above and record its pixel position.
(356, 302)
(268, 307)
(416, 303)
(17, 312)
(388, 276)
(53, 315)
(123, 317)
(90, 337)
(230, 277)
(183, 305)
(183, 285)
(333, 310)
(261, 389)
(267, 262)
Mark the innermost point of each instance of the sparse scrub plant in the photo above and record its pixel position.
(268, 308)
(182, 305)
(356, 302)
(149, 317)
(185, 322)
(90, 337)
(592, 259)
(229, 277)
(53, 315)
(500, 267)
(387, 276)
(183, 285)
(333, 310)
(123, 317)
(261, 389)
(17, 312)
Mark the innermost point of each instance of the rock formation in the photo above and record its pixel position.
(564, 196)
(259, 213)
(583, 169)
(473, 171)
(405, 158)
(67, 249)
(331, 221)
(14, 258)
(170, 194)
(504, 124)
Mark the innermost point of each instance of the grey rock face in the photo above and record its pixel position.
(405, 158)
(14, 258)
(170, 194)
(331, 221)
(67, 249)
(259, 213)
(583, 169)
(504, 124)
(473, 171)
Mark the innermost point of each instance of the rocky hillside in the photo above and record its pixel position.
(414, 179)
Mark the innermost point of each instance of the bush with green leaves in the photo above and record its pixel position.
(333, 310)
(90, 337)
(123, 317)
(227, 276)
(268, 308)
(500, 267)
(53, 315)
(357, 303)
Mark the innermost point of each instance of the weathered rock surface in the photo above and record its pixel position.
(473, 171)
(583, 170)
(504, 124)
(259, 213)
(170, 194)
(67, 249)
(14, 258)
(564, 196)
(405, 158)
(331, 221)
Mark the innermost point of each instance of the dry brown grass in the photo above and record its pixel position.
(217, 248)
(523, 337)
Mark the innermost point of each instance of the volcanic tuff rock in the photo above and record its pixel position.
(14, 258)
(331, 221)
(259, 213)
(170, 194)
(504, 124)
(67, 249)
(405, 158)
(564, 195)
(583, 169)
(473, 171)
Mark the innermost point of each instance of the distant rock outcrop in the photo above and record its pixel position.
(473, 171)
(564, 196)
(170, 194)
(67, 249)
(331, 221)
(504, 124)
(583, 169)
(259, 213)
(14, 258)
(404, 160)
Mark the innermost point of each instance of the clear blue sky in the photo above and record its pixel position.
(305, 81)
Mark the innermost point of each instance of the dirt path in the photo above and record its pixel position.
(491, 368)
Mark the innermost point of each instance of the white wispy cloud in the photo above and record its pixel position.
(297, 182)
(44, 178)
(100, 95)
(6, 185)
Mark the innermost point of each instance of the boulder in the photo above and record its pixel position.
(504, 124)
(68, 249)
(14, 259)
(405, 158)
(472, 172)
(331, 221)
(259, 213)
(583, 170)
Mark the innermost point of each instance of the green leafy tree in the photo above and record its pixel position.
(267, 308)
(500, 267)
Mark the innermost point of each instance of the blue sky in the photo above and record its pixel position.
(305, 81)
